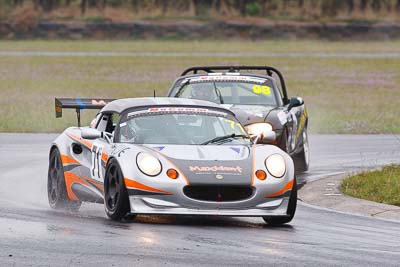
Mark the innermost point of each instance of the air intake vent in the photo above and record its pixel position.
(218, 193)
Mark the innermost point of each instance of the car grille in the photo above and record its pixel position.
(218, 193)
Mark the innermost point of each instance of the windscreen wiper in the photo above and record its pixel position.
(218, 92)
(220, 138)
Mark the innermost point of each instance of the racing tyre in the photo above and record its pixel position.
(116, 200)
(302, 159)
(56, 188)
(291, 210)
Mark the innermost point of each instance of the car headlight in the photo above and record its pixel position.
(258, 128)
(148, 164)
(276, 165)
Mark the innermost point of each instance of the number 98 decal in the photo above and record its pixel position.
(261, 89)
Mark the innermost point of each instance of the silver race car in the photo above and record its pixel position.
(258, 97)
(168, 156)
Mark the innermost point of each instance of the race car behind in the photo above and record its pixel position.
(259, 101)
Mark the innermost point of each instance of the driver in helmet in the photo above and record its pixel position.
(202, 92)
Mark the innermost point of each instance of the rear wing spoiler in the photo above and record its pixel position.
(78, 104)
(269, 71)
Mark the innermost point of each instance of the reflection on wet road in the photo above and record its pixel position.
(33, 234)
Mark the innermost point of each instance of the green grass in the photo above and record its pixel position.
(380, 186)
(343, 95)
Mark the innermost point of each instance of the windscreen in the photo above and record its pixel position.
(169, 126)
(228, 90)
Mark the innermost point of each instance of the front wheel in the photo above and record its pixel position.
(56, 187)
(291, 210)
(116, 199)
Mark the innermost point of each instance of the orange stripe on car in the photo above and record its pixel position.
(81, 140)
(96, 183)
(68, 160)
(286, 188)
(136, 185)
(174, 165)
(70, 179)
(104, 156)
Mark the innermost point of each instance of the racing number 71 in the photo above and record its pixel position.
(96, 161)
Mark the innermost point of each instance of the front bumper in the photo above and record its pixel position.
(162, 195)
(168, 205)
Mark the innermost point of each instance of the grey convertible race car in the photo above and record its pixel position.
(168, 156)
(258, 101)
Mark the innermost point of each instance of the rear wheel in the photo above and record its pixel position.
(56, 188)
(116, 199)
(302, 159)
(291, 210)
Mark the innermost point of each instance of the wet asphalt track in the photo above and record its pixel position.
(32, 234)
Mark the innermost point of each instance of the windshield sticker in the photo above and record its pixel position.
(226, 78)
(236, 149)
(178, 109)
(188, 110)
(158, 148)
(233, 124)
(261, 89)
(184, 110)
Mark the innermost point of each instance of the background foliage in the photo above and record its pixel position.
(133, 9)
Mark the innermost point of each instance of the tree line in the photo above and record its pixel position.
(327, 8)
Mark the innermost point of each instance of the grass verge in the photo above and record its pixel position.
(343, 95)
(381, 186)
(270, 46)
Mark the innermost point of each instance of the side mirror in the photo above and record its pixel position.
(90, 133)
(295, 102)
